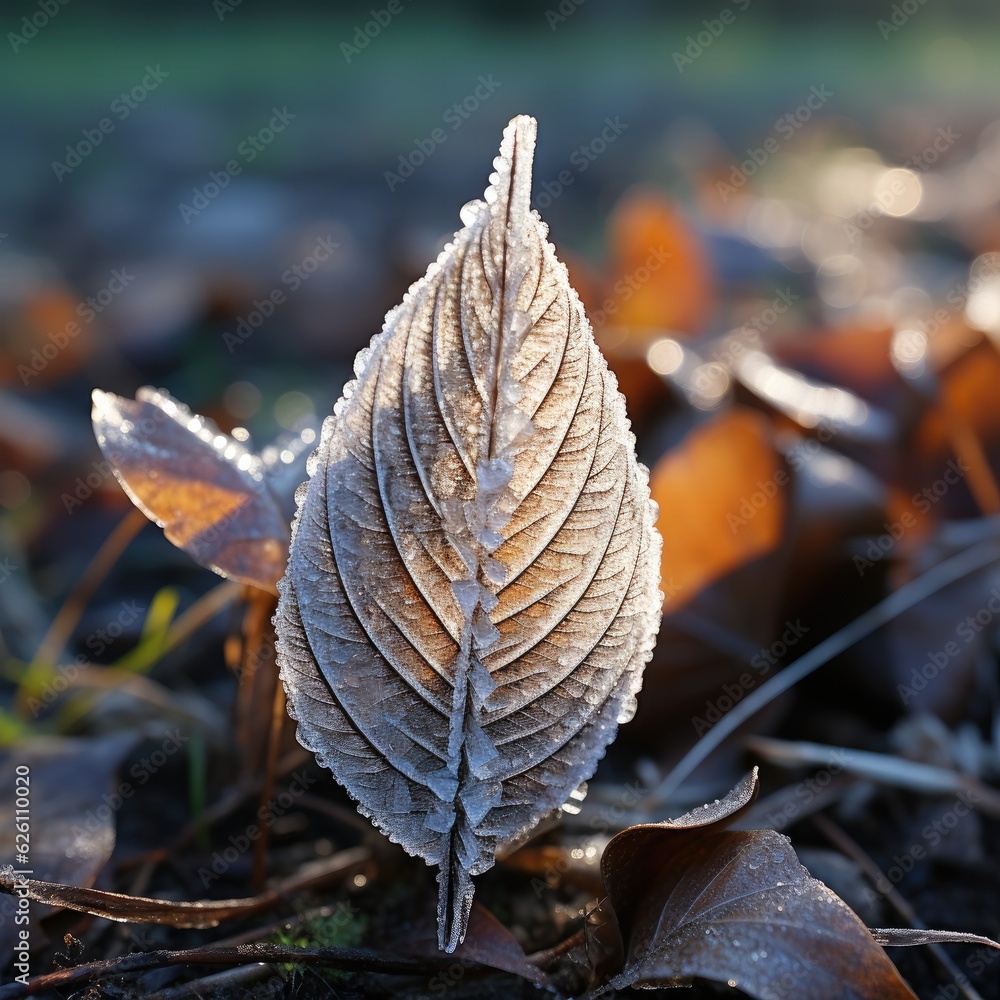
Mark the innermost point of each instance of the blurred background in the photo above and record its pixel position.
(224, 199)
(784, 220)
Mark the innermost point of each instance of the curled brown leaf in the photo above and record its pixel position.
(213, 497)
(695, 900)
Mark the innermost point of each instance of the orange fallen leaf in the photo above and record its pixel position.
(722, 497)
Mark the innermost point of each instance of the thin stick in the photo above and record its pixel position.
(199, 988)
(345, 959)
(225, 806)
(256, 624)
(965, 562)
(543, 959)
(344, 815)
(278, 716)
(786, 807)
(200, 613)
(54, 641)
(112, 679)
(218, 984)
(99, 681)
(846, 844)
(886, 769)
(245, 669)
(200, 913)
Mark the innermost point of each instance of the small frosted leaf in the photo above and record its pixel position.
(227, 507)
(478, 535)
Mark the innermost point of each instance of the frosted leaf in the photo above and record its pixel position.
(478, 535)
(227, 507)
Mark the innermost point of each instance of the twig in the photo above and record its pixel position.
(845, 843)
(789, 804)
(256, 678)
(344, 815)
(54, 641)
(199, 914)
(236, 975)
(200, 613)
(965, 562)
(218, 984)
(885, 769)
(544, 959)
(228, 804)
(911, 937)
(344, 959)
(104, 679)
(100, 680)
(278, 717)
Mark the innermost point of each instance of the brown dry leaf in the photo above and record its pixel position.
(487, 943)
(659, 278)
(45, 338)
(695, 900)
(725, 493)
(937, 477)
(210, 494)
(723, 496)
(627, 883)
(854, 355)
(72, 784)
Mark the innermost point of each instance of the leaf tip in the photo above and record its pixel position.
(509, 192)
